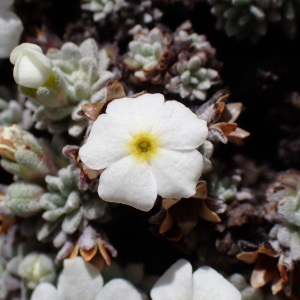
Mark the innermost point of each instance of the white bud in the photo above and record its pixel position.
(32, 68)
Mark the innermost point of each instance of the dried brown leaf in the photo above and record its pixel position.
(205, 213)
(5, 223)
(167, 203)
(92, 110)
(238, 135)
(91, 174)
(87, 255)
(231, 112)
(115, 90)
(267, 249)
(248, 257)
(277, 285)
(218, 110)
(98, 262)
(74, 252)
(104, 252)
(227, 128)
(259, 278)
(201, 191)
(166, 224)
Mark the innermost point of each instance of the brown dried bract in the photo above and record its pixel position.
(221, 118)
(5, 223)
(92, 110)
(181, 215)
(269, 267)
(99, 255)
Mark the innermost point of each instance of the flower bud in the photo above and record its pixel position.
(32, 68)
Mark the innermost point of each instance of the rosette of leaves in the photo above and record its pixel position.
(21, 269)
(12, 251)
(223, 188)
(285, 194)
(24, 155)
(251, 18)
(35, 268)
(241, 18)
(13, 111)
(10, 113)
(23, 198)
(117, 16)
(192, 79)
(66, 208)
(149, 54)
(102, 8)
(84, 69)
(196, 68)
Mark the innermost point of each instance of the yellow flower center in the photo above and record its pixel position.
(143, 146)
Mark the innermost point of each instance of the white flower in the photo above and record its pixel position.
(148, 147)
(32, 68)
(179, 283)
(10, 29)
(81, 280)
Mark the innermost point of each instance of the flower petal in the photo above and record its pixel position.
(137, 114)
(79, 280)
(10, 32)
(130, 182)
(34, 63)
(208, 284)
(106, 143)
(175, 283)
(179, 128)
(19, 50)
(177, 172)
(119, 289)
(45, 291)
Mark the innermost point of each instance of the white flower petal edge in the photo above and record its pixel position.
(45, 291)
(208, 284)
(79, 280)
(10, 32)
(129, 183)
(112, 135)
(177, 172)
(119, 289)
(135, 113)
(175, 283)
(179, 128)
(19, 50)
